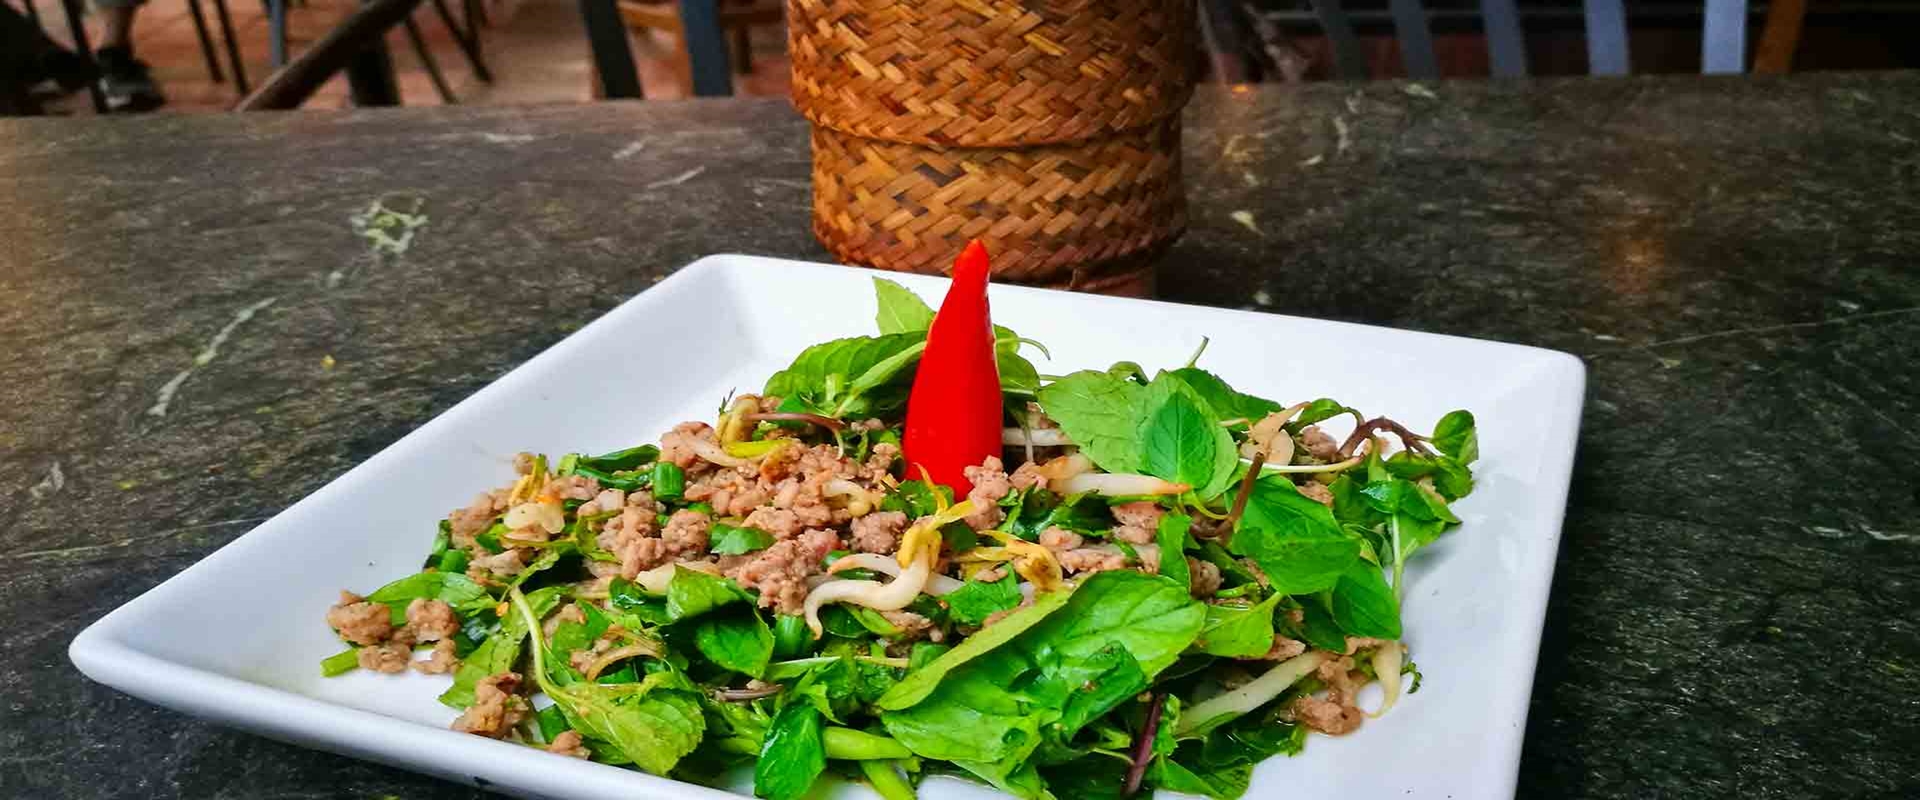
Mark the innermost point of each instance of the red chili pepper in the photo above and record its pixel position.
(953, 414)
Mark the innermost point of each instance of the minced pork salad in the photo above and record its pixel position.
(843, 574)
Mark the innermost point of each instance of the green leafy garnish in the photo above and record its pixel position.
(734, 540)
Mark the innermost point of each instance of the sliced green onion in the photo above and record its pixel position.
(340, 663)
(669, 481)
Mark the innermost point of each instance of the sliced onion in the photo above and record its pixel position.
(655, 580)
(549, 516)
(1119, 485)
(891, 596)
(1386, 669)
(1037, 437)
(1067, 466)
(1254, 694)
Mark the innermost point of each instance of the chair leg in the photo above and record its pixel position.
(206, 42)
(277, 32)
(469, 41)
(233, 47)
(743, 50)
(426, 60)
(77, 28)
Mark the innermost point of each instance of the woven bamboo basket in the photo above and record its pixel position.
(1047, 128)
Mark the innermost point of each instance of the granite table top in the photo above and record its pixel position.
(197, 333)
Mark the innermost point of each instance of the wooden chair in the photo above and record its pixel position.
(737, 18)
(1723, 37)
(357, 46)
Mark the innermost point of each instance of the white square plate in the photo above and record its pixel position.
(1474, 607)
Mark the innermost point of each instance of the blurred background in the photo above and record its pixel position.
(537, 51)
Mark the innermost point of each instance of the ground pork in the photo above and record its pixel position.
(780, 572)
(442, 660)
(1136, 522)
(1204, 577)
(1318, 444)
(1149, 557)
(1355, 643)
(805, 496)
(730, 493)
(583, 658)
(913, 626)
(391, 656)
(431, 620)
(639, 520)
(569, 743)
(1092, 559)
(880, 461)
(1057, 538)
(1317, 492)
(1259, 574)
(823, 461)
(1336, 714)
(496, 709)
(1284, 648)
(990, 483)
(570, 487)
(523, 463)
(1028, 476)
(568, 613)
(607, 500)
(878, 532)
(676, 446)
(503, 564)
(466, 523)
(359, 621)
(685, 535)
(781, 522)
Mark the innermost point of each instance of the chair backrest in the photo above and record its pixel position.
(1723, 40)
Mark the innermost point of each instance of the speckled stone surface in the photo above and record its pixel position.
(1738, 260)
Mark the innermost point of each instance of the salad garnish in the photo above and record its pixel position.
(840, 576)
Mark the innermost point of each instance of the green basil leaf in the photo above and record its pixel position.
(1117, 677)
(921, 682)
(654, 728)
(1172, 538)
(1238, 631)
(1222, 398)
(1177, 442)
(793, 754)
(1363, 604)
(1100, 413)
(1295, 540)
(738, 640)
(455, 589)
(1316, 411)
(734, 540)
(691, 593)
(500, 651)
(1455, 436)
(976, 600)
(899, 309)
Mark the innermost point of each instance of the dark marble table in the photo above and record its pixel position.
(1737, 259)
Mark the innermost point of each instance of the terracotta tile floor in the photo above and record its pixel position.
(537, 50)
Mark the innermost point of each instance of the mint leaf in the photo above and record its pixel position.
(734, 540)
(457, 590)
(1172, 538)
(900, 310)
(1100, 413)
(1317, 411)
(736, 640)
(1222, 398)
(1238, 631)
(1177, 441)
(1455, 436)
(500, 651)
(1363, 604)
(691, 593)
(793, 754)
(976, 600)
(921, 682)
(1295, 540)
